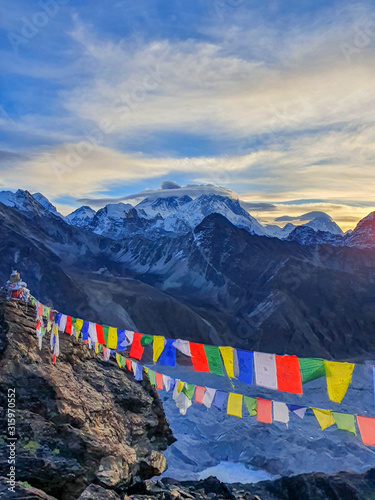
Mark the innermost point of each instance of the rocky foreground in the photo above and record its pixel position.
(87, 430)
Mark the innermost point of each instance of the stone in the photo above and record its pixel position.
(97, 492)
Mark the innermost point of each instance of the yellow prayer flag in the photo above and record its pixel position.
(234, 406)
(78, 325)
(96, 348)
(145, 369)
(227, 355)
(118, 359)
(158, 344)
(112, 338)
(339, 376)
(324, 417)
(180, 386)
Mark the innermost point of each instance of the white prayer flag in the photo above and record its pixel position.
(183, 346)
(280, 412)
(265, 370)
(208, 397)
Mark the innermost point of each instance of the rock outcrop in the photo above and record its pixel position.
(82, 422)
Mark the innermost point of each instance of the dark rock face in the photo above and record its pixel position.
(82, 421)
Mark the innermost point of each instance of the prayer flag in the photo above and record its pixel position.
(118, 359)
(146, 340)
(214, 359)
(78, 325)
(159, 343)
(182, 401)
(199, 394)
(120, 339)
(227, 355)
(138, 372)
(251, 405)
(112, 338)
(264, 410)
(367, 429)
(345, 422)
(58, 318)
(188, 390)
(208, 397)
(280, 412)
(245, 366)
(152, 376)
(234, 405)
(183, 346)
(129, 335)
(288, 374)
(339, 376)
(219, 399)
(129, 364)
(198, 357)
(265, 370)
(68, 327)
(298, 410)
(105, 334)
(92, 332)
(311, 369)
(100, 335)
(62, 324)
(324, 417)
(137, 349)
(168, 382)
(85, 331)
(168, 356)
(159, 381)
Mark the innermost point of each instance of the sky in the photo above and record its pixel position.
(274, 101)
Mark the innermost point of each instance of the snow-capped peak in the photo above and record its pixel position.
(320, 221)
(81, 217)
(152, 207)
(40, 198)
(364, 234)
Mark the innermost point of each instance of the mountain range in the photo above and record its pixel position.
(213, 282)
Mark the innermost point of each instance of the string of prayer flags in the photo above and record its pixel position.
(198, 357)
(245, 366)
(158, 346)
(219, 399)
(339, 376)
(199, 394)
(311, 369)
(227, 355)
(264, 411)
(265, 370)
(280, 412)
(298, 410)
(251, 405)
(215, 364)
(288, 374)
(324, 417)
(234, 406)
(367, 430)
(345, 422)
(168, 356)
(208, 397)
(137, 349)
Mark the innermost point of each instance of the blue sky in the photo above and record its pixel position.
(273, 100)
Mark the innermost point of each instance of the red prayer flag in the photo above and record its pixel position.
(137, 349)
(264, 411)
(288, 374)
(129, 364)
(159, 381)
(367, 429)
(54, 359)
(100, 334)
(40, 310)
(199, 393)
(198, 357)
(68, 328)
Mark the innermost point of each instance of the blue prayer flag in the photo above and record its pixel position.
(245, 366)
(85, 330)
(219, 399)
(120, 339)
(58, 318)
(168, 356)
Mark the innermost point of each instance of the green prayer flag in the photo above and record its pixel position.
(311, 369)
(105, 333)
(345, 422)
(146, 340)
(215, 364)
(251, 405)
(188, 390)
(122, 361)
(152, 377)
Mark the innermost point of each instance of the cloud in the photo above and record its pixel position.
(169, 185)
